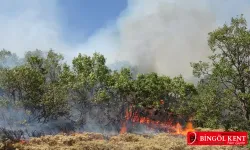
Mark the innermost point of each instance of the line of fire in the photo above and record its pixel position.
(155, 120)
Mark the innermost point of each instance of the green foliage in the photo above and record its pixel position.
(8, 59)
(36, 84)
(209, 104)
(49, 88)
(229, 69)
(148, 88)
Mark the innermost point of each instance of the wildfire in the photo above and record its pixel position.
(151, 124)
(124, 127)
(23, 142)
(179, 130)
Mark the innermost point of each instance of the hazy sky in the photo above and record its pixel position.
(158, 35)
(85, 17)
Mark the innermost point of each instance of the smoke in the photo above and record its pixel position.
(165, 36)
(156, 35)
(28, 25)
(16, 118)
(37, 24)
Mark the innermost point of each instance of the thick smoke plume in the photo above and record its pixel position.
(156, 35)
(165, 36)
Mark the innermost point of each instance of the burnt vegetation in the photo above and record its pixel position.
(12, 135)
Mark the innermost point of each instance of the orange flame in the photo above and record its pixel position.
(124, 124)
(22, 142)
(180, 130)
(151, 124)
(124, 128)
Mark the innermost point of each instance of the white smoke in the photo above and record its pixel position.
(166, 39)
(165, 36)
(157, 35)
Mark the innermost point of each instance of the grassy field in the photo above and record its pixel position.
(95, 141)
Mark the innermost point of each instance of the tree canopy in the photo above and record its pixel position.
(228, 73)
(43, 84)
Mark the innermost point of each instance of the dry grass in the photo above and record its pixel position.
(95, 141)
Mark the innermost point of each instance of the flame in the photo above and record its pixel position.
(23, 142)
(180, 130)
(124, 124)
(123, 128)
(151, 124)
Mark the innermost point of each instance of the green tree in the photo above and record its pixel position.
(87, 83)
(229, 67)
(148, 89)
(8, 59)
(37, 86)
(209, 103)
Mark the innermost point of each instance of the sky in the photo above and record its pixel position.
(84, 17)
(157, 35)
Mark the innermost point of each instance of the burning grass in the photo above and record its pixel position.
(95, 141)
(173, 140)
(153, 125)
